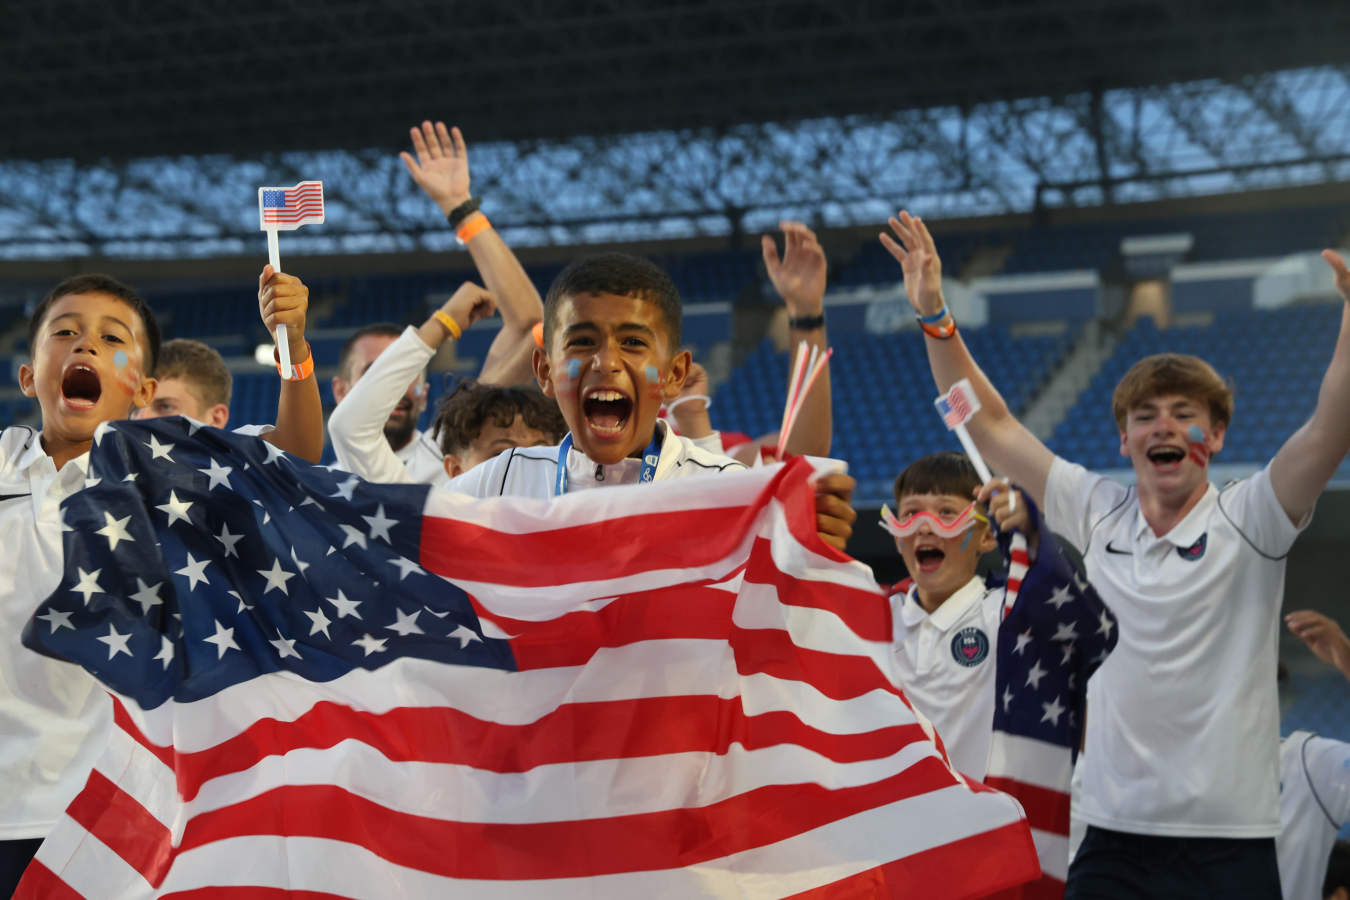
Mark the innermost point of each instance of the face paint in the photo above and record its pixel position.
(944, 529)
(654, 380)
(965, 541)
(127, 378)
(573, 369)
(1199, 452)
(120, 359)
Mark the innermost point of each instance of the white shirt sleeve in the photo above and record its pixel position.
(356, 426)
(1253, 508)
(1075, 498)
(1327, 764)
(710, 442)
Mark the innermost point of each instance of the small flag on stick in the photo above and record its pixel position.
(286, 209)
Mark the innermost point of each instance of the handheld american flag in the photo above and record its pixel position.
(286, 209)
(357, 690)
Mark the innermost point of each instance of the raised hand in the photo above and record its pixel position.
(441, 168)
(799, 277)
(1006, 504)
(1341, 271)
(469, 304)
(1323, 636)
(284, 300)
(919, 260)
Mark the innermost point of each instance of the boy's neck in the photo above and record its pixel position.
(932, 601)
(1162, 513)
(63, 452)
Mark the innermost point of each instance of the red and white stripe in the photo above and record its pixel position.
(1037, 774)
(703, 710)
(304, 206)
(1019, 560)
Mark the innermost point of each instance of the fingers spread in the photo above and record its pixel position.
(461, 148)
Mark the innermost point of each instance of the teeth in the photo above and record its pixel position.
(605, 395)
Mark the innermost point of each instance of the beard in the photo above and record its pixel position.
(398, 431)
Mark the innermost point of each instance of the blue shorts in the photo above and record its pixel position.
(1121, 866)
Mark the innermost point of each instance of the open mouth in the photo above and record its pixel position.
(1166, 456)
(81, 387)
(929, 558)
(607, 411)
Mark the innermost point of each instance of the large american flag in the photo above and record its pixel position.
(338, 689)
(287, 208)
(1052, 638)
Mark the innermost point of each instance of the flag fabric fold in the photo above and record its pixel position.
(325, 687)
(1052, 638)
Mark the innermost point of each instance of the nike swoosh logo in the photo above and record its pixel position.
(1110, 549)
(4, 497)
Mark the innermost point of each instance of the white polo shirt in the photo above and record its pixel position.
(1314, 804)
(946, 661)
(422, 460)
(51, 712)
(1182, 718)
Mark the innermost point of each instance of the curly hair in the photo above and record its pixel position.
(461, 414)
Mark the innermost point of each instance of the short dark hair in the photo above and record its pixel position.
(461, 414)
(95, 283)
(195, 362)
(1338, 869)
(616, 273)
(947, 472)
(382, 329)
(1173, 373)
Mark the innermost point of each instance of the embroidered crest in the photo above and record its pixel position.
(1194, 551)
(970, 646)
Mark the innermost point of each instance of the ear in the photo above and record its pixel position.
(987, 540)
(27, 380)
(218, 415)
(340, 388)
(1218, 432)
(1124, 449)
(543, 372)
(145, 392)
(679, 371)
(452, 465)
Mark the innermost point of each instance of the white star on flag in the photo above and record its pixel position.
(223, 639)
(147, 595)
(115, 530)
(165, 654)
(217, 475)
(117, 643)
(158, 450)
(88, 584)
(344, 606)
(380, 524)
(102, 429)
(465, 635)
(274, 452)
(370, 644)
(299, 563)
(1106, 624)
(1068, 651)
(405, 567)
(345, 489)
(176, 509)
(92, 481)
(1061, 596)
(129, 477)
(276, 578)
(1022, 640)
(320, 623)
(194, 571)
(1007, 697)
(57, 619)
(285, 647)
(228, 540)
(1065, 632)
(405, 623)
(353, 537)
(1035, 675)
(1053, 711)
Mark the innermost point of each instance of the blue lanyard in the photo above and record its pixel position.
(650, 457)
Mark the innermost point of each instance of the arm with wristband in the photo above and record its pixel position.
(357, 423)
(284, 300)
(1005, 443)
(441, 170)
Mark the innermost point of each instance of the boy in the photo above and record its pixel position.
(191, 380)
(478, 421)
(92, 342)
(1179, 787)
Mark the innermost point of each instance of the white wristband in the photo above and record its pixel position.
(670, 407)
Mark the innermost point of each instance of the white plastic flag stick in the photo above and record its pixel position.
(819, 362)
(286, 209)
(798, 367)
(274, 258)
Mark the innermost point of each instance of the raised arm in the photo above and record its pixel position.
(1005, 442)
(284, 300)
(441, 170)
(799, 278)
(1303, 466)
(357, 424)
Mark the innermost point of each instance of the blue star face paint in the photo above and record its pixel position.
(1199, 451)
(573, 369)
(653, 381)
(120, 359)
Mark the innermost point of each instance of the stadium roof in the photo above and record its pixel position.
(93, 79)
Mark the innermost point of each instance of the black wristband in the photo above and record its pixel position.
(462, 212)
(807, 323)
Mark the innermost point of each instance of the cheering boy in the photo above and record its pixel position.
(1179, 770)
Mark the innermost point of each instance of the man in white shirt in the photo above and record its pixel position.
(1179, 790)
(92, 341)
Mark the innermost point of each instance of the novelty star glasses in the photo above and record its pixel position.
(948, 527)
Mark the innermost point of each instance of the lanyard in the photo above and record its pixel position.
(650, 456)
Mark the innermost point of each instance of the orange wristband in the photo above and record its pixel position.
(476, 225)
(938, 332)
(299, 371)
(448, 323)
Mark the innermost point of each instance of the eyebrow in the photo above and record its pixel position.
(77, 317)
(623, 326)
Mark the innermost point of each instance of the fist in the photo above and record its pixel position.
(469, 304)
(283, 300)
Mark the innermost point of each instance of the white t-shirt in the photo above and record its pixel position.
(946, 662)
(532, 471)
(1182, 716)
(1314, 804)
(51, 712)
(356, 425)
